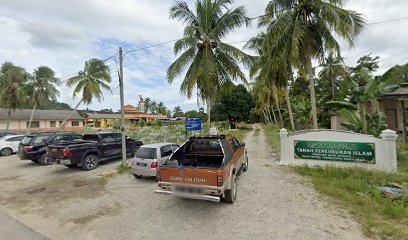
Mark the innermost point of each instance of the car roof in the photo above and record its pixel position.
(10, 136)
(52, 133)
(157, 145)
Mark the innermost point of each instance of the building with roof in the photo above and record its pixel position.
(43, 120)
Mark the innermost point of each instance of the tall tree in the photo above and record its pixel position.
(89, 83)
(12, 80)
(209, 62)
(178, 112)
(147, 104)
(303, 30)
(42, 89)
(332, 69)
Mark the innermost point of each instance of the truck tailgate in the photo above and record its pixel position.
(191, 176)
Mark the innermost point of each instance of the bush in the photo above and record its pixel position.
(159, 123)
(142, 123)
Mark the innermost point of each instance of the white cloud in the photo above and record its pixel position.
(77, 30)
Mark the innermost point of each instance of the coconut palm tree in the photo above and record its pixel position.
(208, 61)
(332, 68)
(303, 30)
(89, 83)
(42, 89)
(12, 80)
(177, 112)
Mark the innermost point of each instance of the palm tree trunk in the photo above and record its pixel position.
(274, 116)
(363, 117)
(275, 95)
(268, 113)
(31, 118)
(8, 119)
(292, 122)
(72, 112)
(209, 113)
(374, 106)
(309, 70)
(266, 119)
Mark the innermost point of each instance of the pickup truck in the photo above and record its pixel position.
(92, 149)
(206, 168)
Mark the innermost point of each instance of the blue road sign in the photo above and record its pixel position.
(193, 124)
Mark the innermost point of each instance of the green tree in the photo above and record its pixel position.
(236, 102)
(147, 104)
(12, 81)
(332, 69)
(42, 89)
(209, 62)
(302, 30)
(90, 82)
(178, 112)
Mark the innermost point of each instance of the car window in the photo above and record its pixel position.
(149, 153)
(109, 138)
(40, 139)
(166, 151)
(235, 143)
(175, 147)
(26, 140)
(90, 137)
(76, 137)
(61, 138)
(15, 139)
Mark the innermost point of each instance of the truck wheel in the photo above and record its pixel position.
(230, 195)
(246, 164)
(90, 162)
(42, 160)
(6, 151)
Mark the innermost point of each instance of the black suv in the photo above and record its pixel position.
(33, 146)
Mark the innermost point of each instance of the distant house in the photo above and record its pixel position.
(43, 120)
(99, 119)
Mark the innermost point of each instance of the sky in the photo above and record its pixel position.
(64, 34)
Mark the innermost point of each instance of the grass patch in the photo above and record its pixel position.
(357, 190)
(241, 132)
(272, 136)
(124, 169)
(257, 132)
(106, 176)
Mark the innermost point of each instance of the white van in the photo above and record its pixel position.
(150, 156)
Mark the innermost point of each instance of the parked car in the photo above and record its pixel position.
(92, 149)
(3, 134)
(205, 168)
(9, 144)
(33, 146)
(149, 157)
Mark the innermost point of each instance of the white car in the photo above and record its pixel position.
(148, 157)
(9, 144)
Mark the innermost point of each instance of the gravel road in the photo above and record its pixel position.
(273, 203)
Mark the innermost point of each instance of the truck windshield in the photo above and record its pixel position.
(149, 153)
(91, 137)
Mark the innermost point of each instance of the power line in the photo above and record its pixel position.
(387, 21)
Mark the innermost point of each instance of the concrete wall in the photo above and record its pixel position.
(21, 125)
(384, 147)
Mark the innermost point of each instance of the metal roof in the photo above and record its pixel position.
(24, 114)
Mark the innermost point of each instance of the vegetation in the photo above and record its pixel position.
(382, 216)
(90, 82)
(207, 60)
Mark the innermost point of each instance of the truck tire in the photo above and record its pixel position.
(6, 151)
(230, 195)
(42, 160)
(246, 164)
(90, 162)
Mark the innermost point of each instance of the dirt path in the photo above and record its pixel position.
(273, 203)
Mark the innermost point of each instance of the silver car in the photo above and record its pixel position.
(149, 157)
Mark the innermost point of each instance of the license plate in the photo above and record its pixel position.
(141, 164)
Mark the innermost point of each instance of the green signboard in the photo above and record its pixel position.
(335, 151)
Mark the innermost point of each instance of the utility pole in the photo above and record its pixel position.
(122, 111)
